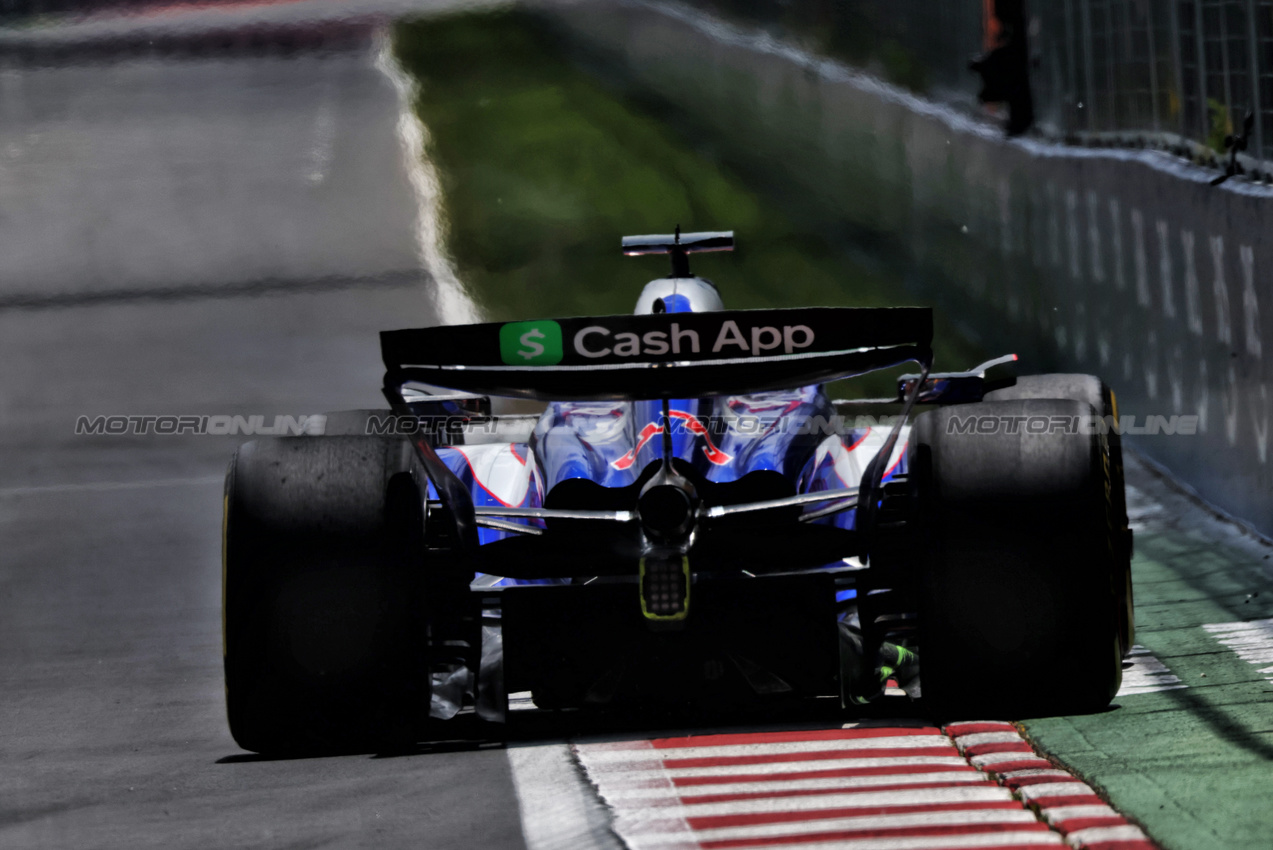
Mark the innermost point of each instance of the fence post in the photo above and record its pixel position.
(1071, 41)
(1173, 25)
(1203, 110)
(1253, 46)
(1086, 16)
(1113, 49)
(1225, 68)
(1152, 46)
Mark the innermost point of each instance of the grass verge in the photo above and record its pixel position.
(543, 169)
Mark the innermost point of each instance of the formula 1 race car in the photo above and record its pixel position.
(690, 522)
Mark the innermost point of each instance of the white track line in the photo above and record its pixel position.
(558, 807)
(1147, 675)
(453, 303)
(1251, 640)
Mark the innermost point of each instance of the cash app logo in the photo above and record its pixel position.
(530, 343)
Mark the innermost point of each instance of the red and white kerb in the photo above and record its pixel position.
(861, 787)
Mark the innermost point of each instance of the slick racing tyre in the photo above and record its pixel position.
(1094, 391)
(324, 639)
(1019, 543)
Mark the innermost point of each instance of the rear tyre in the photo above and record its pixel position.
(1017, 608)
(1095, 392)
(324, 637)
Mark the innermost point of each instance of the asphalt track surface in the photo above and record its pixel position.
(199, 236)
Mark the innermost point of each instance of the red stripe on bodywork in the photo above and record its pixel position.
(653, 429)
(478, 480)
(900, 454)
(697, 428)
(647, 433)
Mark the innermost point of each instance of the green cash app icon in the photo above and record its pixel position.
(530, 343)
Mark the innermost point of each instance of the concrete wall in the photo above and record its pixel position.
(1122, 263)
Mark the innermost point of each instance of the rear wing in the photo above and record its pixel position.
(689, 243)
(679, 245)
(667, 355)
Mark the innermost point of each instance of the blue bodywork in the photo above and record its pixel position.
(791, 432)
(724, 438)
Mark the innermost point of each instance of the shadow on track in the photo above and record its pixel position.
(468, 733)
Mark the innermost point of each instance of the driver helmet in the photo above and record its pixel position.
(680, 295)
